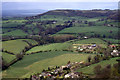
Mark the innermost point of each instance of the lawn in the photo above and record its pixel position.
(89, 69)
(37, 62)
(52, 47)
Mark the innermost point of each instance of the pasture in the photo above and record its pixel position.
(90, 69)
(48, 47)
(90, 41)
(101, 30)
(11, 24)
(112, 40)
(8, 57)
(15, 46)
(35, 63)
(17, 32)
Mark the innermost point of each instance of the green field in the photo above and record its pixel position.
(89, 69)
(37, 62)
(8, 57)
(101, 30)
(4, 30)
(12, 24)
(90, 41)
(17, 32)
(112, 40)
(15, 46)
(52, 47)
(38, 57)
(32, 42)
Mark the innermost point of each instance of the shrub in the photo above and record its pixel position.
(19, 56)
(97, 69)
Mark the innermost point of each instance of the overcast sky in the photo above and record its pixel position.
(60, 0)
(59, 4)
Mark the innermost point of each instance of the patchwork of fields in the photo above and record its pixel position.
(101, 30)
(39, 40)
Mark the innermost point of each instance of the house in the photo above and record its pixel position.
(74, 46)
(54, 22)
(115, 53)
(85, 37)
(67, 75)
(112, 46)
(94, 45)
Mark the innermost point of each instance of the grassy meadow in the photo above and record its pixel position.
(101, 30)
(37, 62)
(32, 36)
(90, 69)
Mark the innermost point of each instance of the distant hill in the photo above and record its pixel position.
(82, 13)
(19, 13)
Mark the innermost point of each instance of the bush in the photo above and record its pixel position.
(19, 56)
(97, 69)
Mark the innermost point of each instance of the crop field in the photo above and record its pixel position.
(12, 45)
(8, 57)
(90, 69)
(52, 47)
(37, 62)
(102, 30)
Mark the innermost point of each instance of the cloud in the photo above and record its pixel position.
(60, 0)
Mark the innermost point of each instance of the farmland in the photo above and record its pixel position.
(15, 33)
(89, 69)
(101, 30)
(28, 65)
(12, 45)
(50, 47)
(8, 57)
(50, 39)
(91, 40)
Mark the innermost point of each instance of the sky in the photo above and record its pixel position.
(60, 0)
(59, 4)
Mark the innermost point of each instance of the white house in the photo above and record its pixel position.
(115, 53)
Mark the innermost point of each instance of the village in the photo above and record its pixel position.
(93, 48)
(67, 71)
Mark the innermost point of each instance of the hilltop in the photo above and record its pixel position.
(82, 13)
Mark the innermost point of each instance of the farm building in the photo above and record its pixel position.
(85, 47)
(115, 53)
